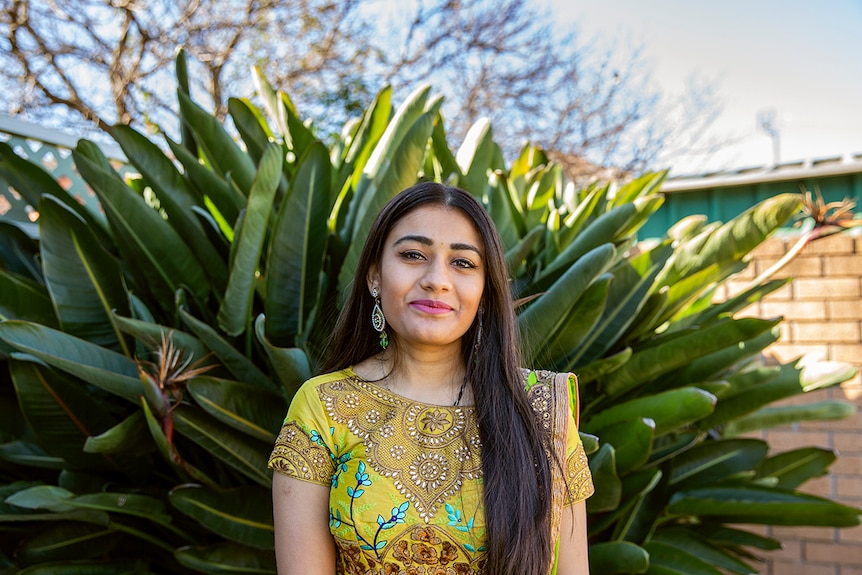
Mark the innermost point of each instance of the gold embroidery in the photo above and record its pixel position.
(579, 479)
(421, 550)
(437, 450)
(297, 455)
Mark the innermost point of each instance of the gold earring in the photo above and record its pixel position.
(378, 320)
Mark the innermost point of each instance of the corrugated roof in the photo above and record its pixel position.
(795, 170)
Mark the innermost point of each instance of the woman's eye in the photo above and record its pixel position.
(411, 255)
(464, 263)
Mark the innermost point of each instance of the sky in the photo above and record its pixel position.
(800, 59)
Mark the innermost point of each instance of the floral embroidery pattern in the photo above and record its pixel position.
(383, 523)
(426, 459)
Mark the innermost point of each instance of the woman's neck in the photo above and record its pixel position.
(429, 376)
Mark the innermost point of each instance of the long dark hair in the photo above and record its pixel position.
(517, 505)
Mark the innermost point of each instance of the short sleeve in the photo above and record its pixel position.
(304, 448)
(579, 480)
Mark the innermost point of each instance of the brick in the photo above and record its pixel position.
(847, 464)
(848, 487)
(852, 423)
(849, 352)
(836, 265)
(770, 247)
(810, 266)
(821, 486)
(848, 443)
(845, 554)
(781, 440)
(783, 293)
(836, 244)
(749, 273)
(819, 534)
(852, 389)
(823, 288)
(819, 332)
(785, 351)
(850, 570)
(791, 550)
(791, 310)
(844, 309)
(850, 534)
(789, 568)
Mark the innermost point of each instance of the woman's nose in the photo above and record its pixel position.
(437, 276)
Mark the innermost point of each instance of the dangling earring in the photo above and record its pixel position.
(378, 320)
(479, 330)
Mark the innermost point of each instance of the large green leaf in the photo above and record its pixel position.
(177, 198)
(290, 364)
(679, 349)
(297, 248)
(729, 243)
(693, 543)
(244, 407)
(64, 541)
(84, 567)
(762, 505)
(102, 367)
(220, 149)
(226, 199)
(228, 559)
(604, 229)
(246, 455)
(767, 417)
(31, 181)
(618, 557)
(63, 413)
(130, 436)
(19, 251)
(235, 312)
(239, 365)
(712, 461)
(605, 478)
(242, 514)
(632, 441)
(545, 318)
(25, 299)
(475, 157)
(793, 468)
(153, 251)
(629, 290)
(677, 559)
(669, 410)
(85, 282)
(251, 125)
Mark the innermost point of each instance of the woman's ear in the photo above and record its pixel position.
(373, 277)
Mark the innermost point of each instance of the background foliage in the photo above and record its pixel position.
(85, 63)
(150, 348)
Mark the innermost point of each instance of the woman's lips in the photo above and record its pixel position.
(431, 306)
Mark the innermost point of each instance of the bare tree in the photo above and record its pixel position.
(110, 61)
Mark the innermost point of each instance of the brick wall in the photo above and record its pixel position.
(822, 308)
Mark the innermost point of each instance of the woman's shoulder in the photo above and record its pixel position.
(543, 378)
(310, 387)
(549, 394)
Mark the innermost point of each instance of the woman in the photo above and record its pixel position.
(419, 450)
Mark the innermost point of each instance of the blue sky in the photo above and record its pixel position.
(801, 59)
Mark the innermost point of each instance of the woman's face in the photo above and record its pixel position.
(431, 276)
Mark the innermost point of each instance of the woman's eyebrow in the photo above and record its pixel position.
(426, 241)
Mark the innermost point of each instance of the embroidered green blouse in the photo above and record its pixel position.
(405, 477)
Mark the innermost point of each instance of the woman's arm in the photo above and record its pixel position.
(572, 558)
(303, 543)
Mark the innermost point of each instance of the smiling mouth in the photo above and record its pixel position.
(431, 306)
